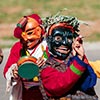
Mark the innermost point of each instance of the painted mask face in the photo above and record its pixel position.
(32, 34)
(60, 42)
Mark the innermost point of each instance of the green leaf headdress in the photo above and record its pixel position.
(70, 20)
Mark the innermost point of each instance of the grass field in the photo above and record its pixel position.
(12, 10)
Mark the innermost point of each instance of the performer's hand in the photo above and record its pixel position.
(40, 62)
(15, 72)
(78, 48)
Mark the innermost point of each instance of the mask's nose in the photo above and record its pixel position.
(65, 42)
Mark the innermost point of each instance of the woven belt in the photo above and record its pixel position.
(76, 97)
(62, 98)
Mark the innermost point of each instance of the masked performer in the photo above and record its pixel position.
(30, 32)
(66, 74)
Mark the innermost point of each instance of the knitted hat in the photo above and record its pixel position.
(19, 28)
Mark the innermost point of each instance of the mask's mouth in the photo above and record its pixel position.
(62, 49)
(31, 43)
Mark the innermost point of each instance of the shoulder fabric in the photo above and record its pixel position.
(13, 56)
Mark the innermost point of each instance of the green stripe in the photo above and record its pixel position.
(19, 25)
(75, 70)
(45, 54)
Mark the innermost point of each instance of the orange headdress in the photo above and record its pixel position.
(23, 21)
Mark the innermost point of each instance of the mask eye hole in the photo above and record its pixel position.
(58, 38)
(29, 33)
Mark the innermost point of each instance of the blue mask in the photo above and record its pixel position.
(60, 36)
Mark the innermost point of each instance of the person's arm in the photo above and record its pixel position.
(13, 57)
(11, 65)
(57, 83)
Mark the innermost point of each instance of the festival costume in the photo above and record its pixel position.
(65, 76)
(25, 89)
(15, 53)
(61, 80)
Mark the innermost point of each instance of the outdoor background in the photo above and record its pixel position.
(86, 10)
(12, 10)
